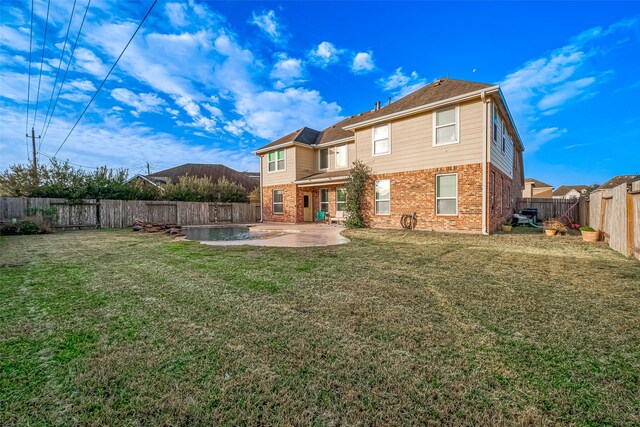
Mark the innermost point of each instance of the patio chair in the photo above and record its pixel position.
(340, 217)
(321, 216)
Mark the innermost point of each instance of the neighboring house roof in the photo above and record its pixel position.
(536, 183)
(248, 180)
(617, 180)
(440, 90)
(564, 189)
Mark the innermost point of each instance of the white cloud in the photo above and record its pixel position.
(287, 72)
(363, 62)
(325, 54)
(177, 14)
(87, 61)
(546, 85)
(268, 23)
(141, 102)
(400, 84)
(14, 39)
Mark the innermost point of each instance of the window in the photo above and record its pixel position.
(383, 197)
(499, 196)
(275, 161)
(496, 124)
(278, 201)
(445, 126)
(324, 158)
(493, 191)
(341, 156)
(324, 200)
(341, 199)
(381, 140)
(447, 194)
(505, 137)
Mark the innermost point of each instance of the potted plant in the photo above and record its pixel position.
(589, 234)
(506, 227)
(554, 226)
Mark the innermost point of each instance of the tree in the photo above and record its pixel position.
(359, 176)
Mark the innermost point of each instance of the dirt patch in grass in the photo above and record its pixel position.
(393, 328)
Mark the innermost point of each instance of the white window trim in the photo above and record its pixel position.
(335, 156)
(373, 140)
(284, 154)
(495, 116)
(505, 138)
(345, 201)
(435, 128)
(446, 198)
(328, 159)
(320, 202)
(274, 203)
(375, 207)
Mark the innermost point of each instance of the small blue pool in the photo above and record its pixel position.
(227, 233)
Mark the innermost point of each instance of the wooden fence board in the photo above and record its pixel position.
(551, 208)
(122, 213)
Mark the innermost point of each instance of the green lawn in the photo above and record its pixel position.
(118, 328)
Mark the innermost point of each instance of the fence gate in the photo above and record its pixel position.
(220, 212)
(75, 215)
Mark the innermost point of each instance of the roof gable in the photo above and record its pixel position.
(537, 183)
(202, 170)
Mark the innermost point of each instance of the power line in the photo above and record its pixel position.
(55, 82)
(66, 71)
(44, 44)
(26, 125)
(107, 76)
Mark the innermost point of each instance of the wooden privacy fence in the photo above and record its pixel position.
(555, 208)
(616, 213)
(89, 213)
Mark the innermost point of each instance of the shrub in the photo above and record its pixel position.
(359, 176)
(29, 227)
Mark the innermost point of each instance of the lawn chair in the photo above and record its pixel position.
(340, 217)
(321, 216)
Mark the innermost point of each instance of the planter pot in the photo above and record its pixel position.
(506, 228)
(550, 232)
(590, 236)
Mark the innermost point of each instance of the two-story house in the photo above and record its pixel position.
(448, 152)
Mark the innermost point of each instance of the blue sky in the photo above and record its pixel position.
(210, 82)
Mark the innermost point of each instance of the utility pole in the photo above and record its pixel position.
(148, 169)
(34, 165)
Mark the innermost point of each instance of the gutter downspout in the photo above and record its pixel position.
(484, 164)
(261, 187)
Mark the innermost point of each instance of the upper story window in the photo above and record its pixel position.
(324, 158)
(275, 161)
(504, 138)
(381, 140)
(445, 127)
(341, 156)
(496, 125)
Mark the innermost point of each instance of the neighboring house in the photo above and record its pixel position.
(249, 180)
(534, 189)
(449, 152)
(570, 191)
(617, 180)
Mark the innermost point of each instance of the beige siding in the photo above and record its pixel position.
(351, 157)
(306, 159)
(286, 176)
(502, 160)
(412, 143)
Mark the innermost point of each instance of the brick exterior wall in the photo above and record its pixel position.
(502, 195)
(415, 191)
(289, 200)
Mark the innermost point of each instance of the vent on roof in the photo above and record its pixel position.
(376, 106)
(438, 82)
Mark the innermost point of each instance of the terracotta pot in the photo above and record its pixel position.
(550, 232)
(590, 236)
(506, 228)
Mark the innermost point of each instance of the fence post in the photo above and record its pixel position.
(630, 225)
(582, 211)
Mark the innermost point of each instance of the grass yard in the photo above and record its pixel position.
(112, 327)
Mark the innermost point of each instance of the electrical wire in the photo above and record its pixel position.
(55, 82)
(44, 44)
(66, 71)
(26, 125)
(106, 77)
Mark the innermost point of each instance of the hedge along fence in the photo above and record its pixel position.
(91, 213)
